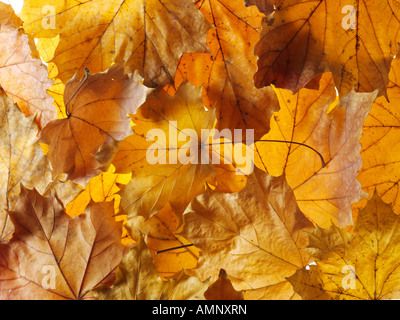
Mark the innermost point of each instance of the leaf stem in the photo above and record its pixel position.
(300, 144)
(173, 248)
(280, 141)
(84, 80)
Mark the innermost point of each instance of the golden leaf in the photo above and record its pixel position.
(380, 140)
(161, 231)
(255, 235)
(306, 38)
(167, 151)
(227, 73)
(150, 35)
(324, 194)
(360, 266)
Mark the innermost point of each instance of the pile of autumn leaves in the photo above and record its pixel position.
(85, 216)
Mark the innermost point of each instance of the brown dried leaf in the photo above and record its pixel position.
(306, 38)
(161, 234)
(255, 235)
(21, 160)
(222, 289)
(22, 75)
(137, 279)
(98, 109)
(54, 257)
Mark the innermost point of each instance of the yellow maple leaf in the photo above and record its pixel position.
(324, 194)
(359, 266)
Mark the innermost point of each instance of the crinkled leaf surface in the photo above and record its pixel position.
(21, 160)
(98, 111)
(324, 194)
(255, 235)
(22, 74)
(137, 279)
(79, 253)
(150, 35)
(369, 259)
(305, 38)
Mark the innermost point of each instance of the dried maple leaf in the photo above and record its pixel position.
(157, 154)
(161, 237)
(227, 73)
(222, 289)
(51, 256)
(22, 75)
(137, 279)
(360, 266)
(305, 38)
(150, 35)
(21, 160)
(310, 117)
(381, 163)
(255, 235)
(98, 108)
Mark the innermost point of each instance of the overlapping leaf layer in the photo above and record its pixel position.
(200, 149)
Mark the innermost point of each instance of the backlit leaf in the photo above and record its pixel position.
(362, 266)
(137, 279)
(306, 38)
(222, 289)
(255, 235)
(161, 236)
(54, 257)
(227, 73)
(21, 160)
(324, 194)
(150, 35)
(381, 163)
(22, 75)
(98, 109)
(167, 151)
